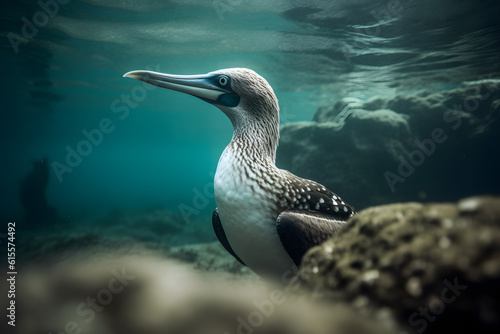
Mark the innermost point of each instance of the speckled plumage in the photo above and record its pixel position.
(251, 191)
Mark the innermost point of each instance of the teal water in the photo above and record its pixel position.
(163, 147)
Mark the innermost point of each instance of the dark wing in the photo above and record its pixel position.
(311, 214)
(221, 235)
(299, 230)
(303, 194)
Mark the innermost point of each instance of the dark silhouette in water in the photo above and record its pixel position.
(38, 212)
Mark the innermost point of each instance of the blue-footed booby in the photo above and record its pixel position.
(266, 217)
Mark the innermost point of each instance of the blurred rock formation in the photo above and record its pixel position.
(428, 147)
(37, 211)
(433, 267)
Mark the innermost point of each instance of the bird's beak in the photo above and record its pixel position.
(201, 86)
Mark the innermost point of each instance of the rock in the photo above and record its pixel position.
(32, 195)
(434, 267)
(92, 285)
(413, 267)
(435, 147)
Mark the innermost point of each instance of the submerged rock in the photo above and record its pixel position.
(399, 268)
(434, 147)
(91, 285)
(435, 268)
(38, 213)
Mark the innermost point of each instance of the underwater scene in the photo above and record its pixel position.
(250, 166)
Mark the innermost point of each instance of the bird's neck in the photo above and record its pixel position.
(257, 135)
(257, 141)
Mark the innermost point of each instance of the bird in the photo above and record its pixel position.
(266, 217)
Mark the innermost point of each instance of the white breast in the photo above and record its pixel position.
(248, 215)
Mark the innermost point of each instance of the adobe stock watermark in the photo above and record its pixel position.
(425, 148)
(30, 27)
(87, 310)
(372, 28)
(200, 201)
(223, 6)
(120, 108)
(435, 307)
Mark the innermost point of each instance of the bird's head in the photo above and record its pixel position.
(243, 95)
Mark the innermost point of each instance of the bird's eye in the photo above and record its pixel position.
(223, 80)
